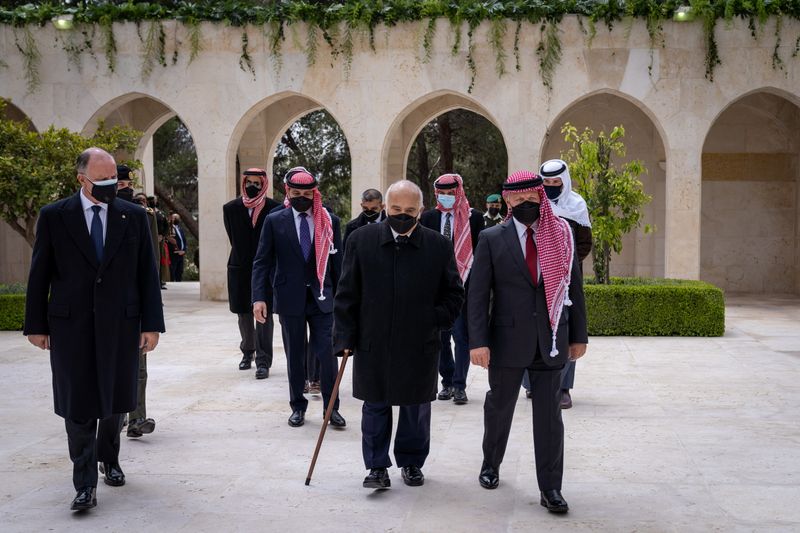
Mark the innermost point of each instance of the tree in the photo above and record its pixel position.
(463, 142)
(318, 143)
(39, 168)
(175, 171)
(614, 195)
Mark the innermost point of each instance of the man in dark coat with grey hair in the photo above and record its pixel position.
(399, 289)
(94, 301)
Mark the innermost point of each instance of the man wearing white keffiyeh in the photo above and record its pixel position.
(526, 314)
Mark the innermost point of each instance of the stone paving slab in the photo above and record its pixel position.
(667, 434)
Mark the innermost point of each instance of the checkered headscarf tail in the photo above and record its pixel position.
(462, 234)
(556, 247)
(323, 227)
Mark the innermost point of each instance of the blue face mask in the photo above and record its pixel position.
(447, 201)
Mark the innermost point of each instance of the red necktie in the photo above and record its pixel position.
(530, 257)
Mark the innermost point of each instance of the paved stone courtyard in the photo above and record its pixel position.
(667, 434)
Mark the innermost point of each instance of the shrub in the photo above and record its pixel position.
(190, 272)
(12, 311)
(655, 307)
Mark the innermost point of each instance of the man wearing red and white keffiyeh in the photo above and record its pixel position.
(461, 225)
(295, 275)
(527, 314)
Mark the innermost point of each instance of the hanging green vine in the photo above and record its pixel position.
(31, 58)
(109, 43)
(497, 35)
(195, 40)
(340, 22)
(549, 53)
(245, 60)
(473, 69)
(153, 48)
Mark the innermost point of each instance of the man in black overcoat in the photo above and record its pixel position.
(93, 300)
(399, 289)
(244, 217)
(372, 212)
(460, 224)
(526, 314)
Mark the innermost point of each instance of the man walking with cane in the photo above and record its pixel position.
(409, 273)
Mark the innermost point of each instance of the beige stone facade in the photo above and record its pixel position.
(722, 156)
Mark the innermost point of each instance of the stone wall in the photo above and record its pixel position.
(391, 92)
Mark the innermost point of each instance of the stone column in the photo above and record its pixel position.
(213, 192)
(366, 174)
(682, 219)
(148, 169)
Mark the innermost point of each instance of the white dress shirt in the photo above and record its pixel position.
(309, 219)
(445, 216)
(88, 214)
(522, 233)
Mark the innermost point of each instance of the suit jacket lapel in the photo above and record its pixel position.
(117, 220)
(75, 222)
(512, 241)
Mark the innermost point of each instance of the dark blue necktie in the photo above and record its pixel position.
(305, 236)
(97, 233)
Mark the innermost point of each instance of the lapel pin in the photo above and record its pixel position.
(123, 216)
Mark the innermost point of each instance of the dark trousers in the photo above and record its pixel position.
(256, 337)
(176, 267)
(567, 377)
(320, 326)
(91, 442)
(548, 428)
(412, 442)
(312, 364)
(454, 372)
(141, 398)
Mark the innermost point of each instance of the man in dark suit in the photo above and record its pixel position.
(178, 251)
(244, 217)
(93, 300)
(394, 330)
(526, 314)
(371, 212)
(460, 225)
(295, 273)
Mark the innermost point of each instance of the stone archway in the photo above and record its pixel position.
(750, 212)
(642, 254)
(410, 122)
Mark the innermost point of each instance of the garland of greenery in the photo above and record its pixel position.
(340, 21)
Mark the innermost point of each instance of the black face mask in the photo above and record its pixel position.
(251, 191)
(494, 211)
(526, 213)
(301, 204)
(553, 191)
(371, 216)
(125, 193)
(105, 193)
(401, 223)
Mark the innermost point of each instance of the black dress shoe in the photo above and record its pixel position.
(113, 474)
(140, 426)
(412, 476)
(460, 397)
(85, 499)
(378, 478)
(247, 362)
(554, 501)
(262, 372)
(446, 394)
(297, 419)
(489, 477)
(337, 420)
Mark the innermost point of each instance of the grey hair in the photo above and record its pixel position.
(404, 185)
(82, 163)
(370, 195)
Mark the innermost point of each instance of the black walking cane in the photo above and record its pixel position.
(328, 412)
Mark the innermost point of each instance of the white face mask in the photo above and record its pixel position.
(447, 201)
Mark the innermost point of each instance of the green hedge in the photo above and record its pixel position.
(12, 312)
(655, 307)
